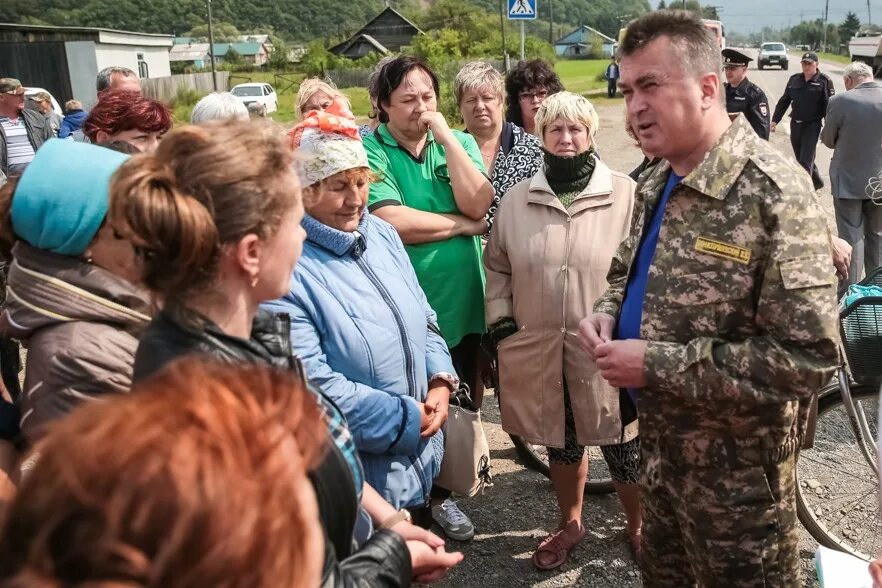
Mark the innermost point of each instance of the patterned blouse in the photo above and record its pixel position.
(519, 158)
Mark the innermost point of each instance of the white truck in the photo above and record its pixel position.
(867, 47)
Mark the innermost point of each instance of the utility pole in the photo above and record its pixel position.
(502, 7)
(826, 14)
(211, 49)
(523, 41)
(551, 22)
(869, 16)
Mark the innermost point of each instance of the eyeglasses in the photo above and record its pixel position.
(530, 96)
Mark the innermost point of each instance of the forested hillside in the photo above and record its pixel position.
(299, 20)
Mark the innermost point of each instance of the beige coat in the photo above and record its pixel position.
(546, 265)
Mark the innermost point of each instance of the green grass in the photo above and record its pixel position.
(834, 57)
(582, 75)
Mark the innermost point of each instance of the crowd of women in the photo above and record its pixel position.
(274, 324)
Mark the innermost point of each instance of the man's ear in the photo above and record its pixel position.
(710, 86)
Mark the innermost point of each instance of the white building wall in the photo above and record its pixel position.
(83, 69)
(127, 56)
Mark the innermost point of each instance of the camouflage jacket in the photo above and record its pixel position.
(740, 307)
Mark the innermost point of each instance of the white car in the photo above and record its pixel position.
(257, 92)
(772, 54)
(31, 92)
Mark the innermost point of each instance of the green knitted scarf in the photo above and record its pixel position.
(568, 176)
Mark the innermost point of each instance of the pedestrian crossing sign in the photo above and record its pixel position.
(521, 9)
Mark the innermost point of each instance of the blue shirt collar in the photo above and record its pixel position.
(336, 241)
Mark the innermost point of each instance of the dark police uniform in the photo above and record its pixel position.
(809, 99)
(747, 97)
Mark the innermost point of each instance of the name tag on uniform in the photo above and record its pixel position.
(740, 98)
(724, 250)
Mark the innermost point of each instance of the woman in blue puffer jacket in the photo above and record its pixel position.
(360, 322)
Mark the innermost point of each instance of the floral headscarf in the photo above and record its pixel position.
(327, 143)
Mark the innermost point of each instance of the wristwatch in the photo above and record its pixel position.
(401, 515)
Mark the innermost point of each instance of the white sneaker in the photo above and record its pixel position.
(455, 523)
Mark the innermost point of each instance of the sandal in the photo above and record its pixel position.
(558, 544)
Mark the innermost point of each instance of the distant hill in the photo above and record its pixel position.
(300, 20)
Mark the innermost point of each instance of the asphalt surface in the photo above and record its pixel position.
(514, 515)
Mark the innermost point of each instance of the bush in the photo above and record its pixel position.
(185, 96)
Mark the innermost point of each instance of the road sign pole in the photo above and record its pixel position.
(523, 35)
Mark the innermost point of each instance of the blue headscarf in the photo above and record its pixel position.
(62, 197)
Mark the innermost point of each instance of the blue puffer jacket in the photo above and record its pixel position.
(367, 336)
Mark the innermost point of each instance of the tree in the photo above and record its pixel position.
(233, 57)
(849, 27)
(278, 58)
(317, 59)
(661, 5)
(223, 32)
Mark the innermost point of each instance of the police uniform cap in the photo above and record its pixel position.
(733, 57)
(809, 56)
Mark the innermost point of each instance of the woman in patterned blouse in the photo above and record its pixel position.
(510, 154)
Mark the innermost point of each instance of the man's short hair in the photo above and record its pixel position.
(218, 106)
(857, 70)
(73, 105)
(105, 76)
(694, 44)
(42, 97)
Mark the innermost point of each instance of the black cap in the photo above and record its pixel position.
(809, 56)
(732, 57)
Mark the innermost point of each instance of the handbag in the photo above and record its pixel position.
(465, 468)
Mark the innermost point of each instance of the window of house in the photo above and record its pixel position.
(143, 70)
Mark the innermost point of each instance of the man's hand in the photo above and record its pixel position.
(841, 257)
(430, 564)
(434, 121)
(774, 125)
(621, 362)
(595, 330)
(437, 404)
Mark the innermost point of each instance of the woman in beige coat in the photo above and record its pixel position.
(546, 263)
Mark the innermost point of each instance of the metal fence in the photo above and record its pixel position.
(166, 89)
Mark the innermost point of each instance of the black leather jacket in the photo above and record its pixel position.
(384, 560)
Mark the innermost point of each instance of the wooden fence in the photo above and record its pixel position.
(166, 89)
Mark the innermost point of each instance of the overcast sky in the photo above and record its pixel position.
(746, 16)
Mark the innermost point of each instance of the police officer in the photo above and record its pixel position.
(809, 93)
(742, 95)
(719, 323)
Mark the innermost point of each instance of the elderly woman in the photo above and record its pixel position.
(358, 315)
(74, 295)
(546, 263)
(127, 116)
(433, 190)
(219, 106)
(510, 154)
(527, 86)
(314, 94)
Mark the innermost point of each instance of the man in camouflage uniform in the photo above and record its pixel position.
(735, 325)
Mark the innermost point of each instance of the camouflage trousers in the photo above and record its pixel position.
(711, 526)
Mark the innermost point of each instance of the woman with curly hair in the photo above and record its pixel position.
(527, 87)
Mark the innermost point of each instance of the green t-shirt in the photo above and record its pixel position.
(450, 271)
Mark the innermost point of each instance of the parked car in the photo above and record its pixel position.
(772, 54)
(257, 92)
(31, 92)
